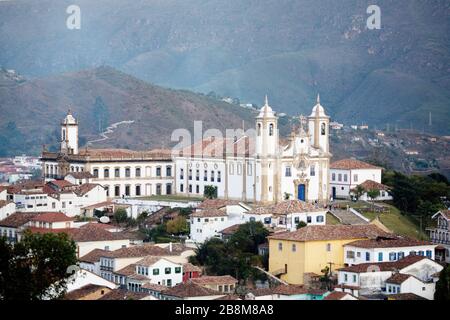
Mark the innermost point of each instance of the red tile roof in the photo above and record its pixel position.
(93, 256)
(398, 278)
(373, 185)
(230, 230)
(216, 203)
(330, 232)
(92, 232)
(52, 217)
(207, 213)
(80, 175)
(352, 164)
(405, 296)
(61, 183)
(388, 243)
(139, 251)
(336, 295)
(122, 294)
(17, 219)
(214, 280)
(286, 207)
(188, 267)
(85, 291)
(190, 289)
(384, 266)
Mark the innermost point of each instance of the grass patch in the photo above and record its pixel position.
(398, 223)
(332, 220)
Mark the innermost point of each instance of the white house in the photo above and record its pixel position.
(207, 223)
(441, 233)
(346, 174)
(6, 208)
(386, 249)
(123, 173)
(384, 191)
(155, 270)
(371, 278)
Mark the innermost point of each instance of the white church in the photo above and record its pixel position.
(265, 170)
(261, 169)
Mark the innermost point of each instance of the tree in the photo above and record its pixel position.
(373, 194)
(443, 285)
(358, 191)
(40, 261)
(301, 224)
(177, 226)
(120, 215)
(210, 192)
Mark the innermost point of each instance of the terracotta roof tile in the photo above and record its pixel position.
(92, 232)
(214, 280)
(189, 267)
(330, 232)
(127, 271)
(290, 290)
(398, 278)
(139, 251)
(405, 296)
(336, 295)
(190, 289)
(84, 291)
(216, 203)
(17, 219)
(80, 175)
(230, 230)
(388, 243)
(373, 185)
(93, 256)
(352, 164)
(154, 287)
(122, 294)
(52, 217)
(207, 213)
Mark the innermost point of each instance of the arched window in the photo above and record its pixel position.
(259, 129)
(323, 129)
(271, 129)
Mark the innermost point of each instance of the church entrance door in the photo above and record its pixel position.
(301, 192)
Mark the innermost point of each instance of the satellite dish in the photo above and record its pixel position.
(104, 219)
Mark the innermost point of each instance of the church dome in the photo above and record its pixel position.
(266, 111)
(318, 110)
(69, 119)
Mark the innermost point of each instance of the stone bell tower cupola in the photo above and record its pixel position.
(318, 125)
(69, 134)
(266, 131)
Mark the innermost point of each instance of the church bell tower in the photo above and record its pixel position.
(69, 134)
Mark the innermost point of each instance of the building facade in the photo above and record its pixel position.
(261, 168)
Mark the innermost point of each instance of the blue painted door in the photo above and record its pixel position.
(301, 192)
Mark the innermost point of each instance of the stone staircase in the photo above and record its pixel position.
(347, 217)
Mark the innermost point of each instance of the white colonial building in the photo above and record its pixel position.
(347, 174)
(441, 233)
(123, 173)
(260, 168)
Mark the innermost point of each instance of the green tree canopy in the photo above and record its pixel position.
(40, 261)
(443, 286)
(120, 215)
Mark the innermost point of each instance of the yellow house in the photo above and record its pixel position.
(310, 249)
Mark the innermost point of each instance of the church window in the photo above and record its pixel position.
(117, 172)
(259, 129)
(212, 176)
(197, 189)
(197, 175)
(181, 174)
(323, 129)
(168, 171)
(64, 135)
(312, 171)
(95, 173)
(181, 188)
(127, 190)
(239, 169)
(271, 129)
(190, 174)
(205, 175)
(138, 172)
(231, 168)
(127, 172)
(249, 169)
(288, 172)
(138, 190)
(190, 188)
(219, 176)
(158, 171)
(106, 173)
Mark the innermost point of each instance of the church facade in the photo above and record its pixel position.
(261, 169)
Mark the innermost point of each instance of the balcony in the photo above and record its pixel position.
(105, 268)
